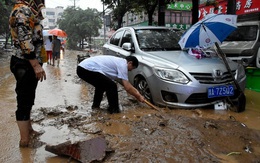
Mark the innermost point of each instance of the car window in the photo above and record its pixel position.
(157, 39)
(126, 38)
(243, 33)
(116, 38)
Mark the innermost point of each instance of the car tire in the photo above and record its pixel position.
(239, 104)
(258, 59)
(142, 86)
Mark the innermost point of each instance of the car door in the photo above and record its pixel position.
(112, 46)
(126, 38)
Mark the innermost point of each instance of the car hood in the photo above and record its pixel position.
(184, 61)
(236, 46)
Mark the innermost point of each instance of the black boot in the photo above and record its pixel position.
(113, 110)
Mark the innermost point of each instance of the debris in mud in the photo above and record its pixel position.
(51, 111)
(209, 124)
(72, 108)
(87, 151)
(91, 129)
(163, 123)
(82, 57)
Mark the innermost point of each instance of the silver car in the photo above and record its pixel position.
(170, 77)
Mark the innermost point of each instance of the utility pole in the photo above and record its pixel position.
(195, 11)
(74, 2)
(104, 20)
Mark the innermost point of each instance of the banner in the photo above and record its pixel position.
(242, 7)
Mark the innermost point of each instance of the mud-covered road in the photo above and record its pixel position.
(139, 133)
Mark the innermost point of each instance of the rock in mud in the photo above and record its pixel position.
(86, 151)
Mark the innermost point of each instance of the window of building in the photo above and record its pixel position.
(178, 17)
(175, 17)
(51, 20)
(186, 17)
(167, 17)
(50, 13)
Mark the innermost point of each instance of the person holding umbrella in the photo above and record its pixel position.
(26, 65)
(48, 47)
(56, 45)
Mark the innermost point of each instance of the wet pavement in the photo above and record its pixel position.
(63, 112)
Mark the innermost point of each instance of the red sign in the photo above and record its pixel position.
(204, 10)
(242, 7)
(247, 6)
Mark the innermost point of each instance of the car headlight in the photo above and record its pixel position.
(240, 72)
(171, 75)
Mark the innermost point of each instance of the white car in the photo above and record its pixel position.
(243, 44)
(169, 76)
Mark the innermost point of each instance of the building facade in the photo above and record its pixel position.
(51, 16)
(177, 15)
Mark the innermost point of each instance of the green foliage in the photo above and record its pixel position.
(119, 8)
(5, 10)
(148, 6)
(212, 3)
(80, 24)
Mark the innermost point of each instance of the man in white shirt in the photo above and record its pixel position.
(101, 71)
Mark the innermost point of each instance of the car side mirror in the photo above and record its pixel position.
(127, 46)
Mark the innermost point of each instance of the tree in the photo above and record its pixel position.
(80, 24)
(195, 11)
(231, 7)
(119, 8)
(5, 10)
(148, 6)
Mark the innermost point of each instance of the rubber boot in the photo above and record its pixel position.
(24, 133)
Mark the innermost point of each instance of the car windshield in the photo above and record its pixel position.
(158, 39)
(243, 33)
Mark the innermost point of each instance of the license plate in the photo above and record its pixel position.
(220, 91)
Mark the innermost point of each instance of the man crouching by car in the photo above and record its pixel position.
(101, 71)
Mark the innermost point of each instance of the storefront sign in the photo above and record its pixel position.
(204, 10)
(247, 6)
(180, 6)
(178, 26)
(242, 7)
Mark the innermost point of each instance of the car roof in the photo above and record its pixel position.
(147, 27)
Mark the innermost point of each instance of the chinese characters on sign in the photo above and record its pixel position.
(178, 26)
(242, 7)
(180, 6)
(247, 6)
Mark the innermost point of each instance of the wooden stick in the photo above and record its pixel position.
(151, 105)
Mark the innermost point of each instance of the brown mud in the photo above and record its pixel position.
(138, 134)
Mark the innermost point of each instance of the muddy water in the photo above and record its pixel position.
(62, 111)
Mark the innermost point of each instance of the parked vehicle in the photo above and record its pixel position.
(243, 45)
(83, 45)
(169, 76)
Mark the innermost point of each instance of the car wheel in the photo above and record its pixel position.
(142, 86)
(258, 59)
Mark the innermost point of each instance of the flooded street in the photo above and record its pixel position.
(62, 111)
